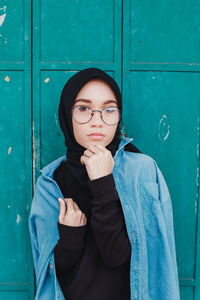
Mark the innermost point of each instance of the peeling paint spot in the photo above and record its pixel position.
(7, 78)
(197, 179)
(197, 183)
(18, 219)
(163, 129)
(133, 31)
(3, 8)
(8, 206)
(9, 150)
(56, 121)
(47, 80)
(2, 18)
(153, 77)
(196, 207)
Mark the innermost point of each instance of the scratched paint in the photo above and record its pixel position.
(163, 128)
(2, 16)
(197, 178)
(18, 219)
(7, 78)
(197, 196)
(56, 121)
(47, 80)
(9, 150)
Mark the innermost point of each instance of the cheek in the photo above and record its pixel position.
(75, 128)
(114, 129)
(111, 132)
(78, 130)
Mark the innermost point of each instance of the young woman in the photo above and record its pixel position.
(101, 221)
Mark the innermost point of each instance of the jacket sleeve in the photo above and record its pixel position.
(168, 227)
(108, 224)
(44, 236)
(69, 247)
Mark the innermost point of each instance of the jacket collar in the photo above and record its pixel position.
(49, 169)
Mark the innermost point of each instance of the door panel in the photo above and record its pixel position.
(161, 94)
(57, 55)
(79, 35)
(16, 276)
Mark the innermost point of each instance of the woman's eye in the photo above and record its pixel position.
(83, 108)
(110, 109)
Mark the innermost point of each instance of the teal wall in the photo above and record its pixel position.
(152, 50)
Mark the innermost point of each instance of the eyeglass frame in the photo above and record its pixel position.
(92, 114)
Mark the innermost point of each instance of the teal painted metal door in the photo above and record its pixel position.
(152, 50)
(16, 275)
(161, 89)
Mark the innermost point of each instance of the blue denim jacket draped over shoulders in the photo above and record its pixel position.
(147, 209)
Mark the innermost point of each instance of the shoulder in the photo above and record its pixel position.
(45, 191)
(138, 158)
(141, 166)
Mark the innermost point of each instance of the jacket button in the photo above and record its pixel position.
(51, 266)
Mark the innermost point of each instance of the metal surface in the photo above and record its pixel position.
(152, 50)
(16, 276)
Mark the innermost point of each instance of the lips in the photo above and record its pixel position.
(96, 134)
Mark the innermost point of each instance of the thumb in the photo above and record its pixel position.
(62, 209)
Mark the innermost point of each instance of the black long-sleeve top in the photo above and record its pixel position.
(93, 261)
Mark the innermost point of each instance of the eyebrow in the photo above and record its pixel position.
(89, 101)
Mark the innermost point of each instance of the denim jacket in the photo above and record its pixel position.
(148, 214)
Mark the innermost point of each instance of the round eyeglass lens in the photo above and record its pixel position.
(111, 115)
(83, 114)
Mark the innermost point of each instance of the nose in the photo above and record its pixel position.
(96, 118)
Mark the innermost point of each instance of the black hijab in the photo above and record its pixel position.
(71, 175)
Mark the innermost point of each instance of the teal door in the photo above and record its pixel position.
(16, 271)
(152, 50)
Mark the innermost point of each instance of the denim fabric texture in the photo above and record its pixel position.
(147, 209)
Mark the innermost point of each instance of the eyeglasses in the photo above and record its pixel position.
(83, 114)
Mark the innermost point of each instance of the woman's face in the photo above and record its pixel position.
(94, 94)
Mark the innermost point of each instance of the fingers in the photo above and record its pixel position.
(83, 219)
(62, 209)
(70, 203)
(96, 148)
(101, 147)
(93, 149)
(88, 153)
(76, 206)
(83, 159)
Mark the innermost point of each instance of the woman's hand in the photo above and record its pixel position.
(72, 215)
(98, 161)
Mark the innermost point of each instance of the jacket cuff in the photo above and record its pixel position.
(104, 187)
(71, 237)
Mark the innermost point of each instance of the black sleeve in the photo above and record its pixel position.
(108, 223)
(69, 247)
